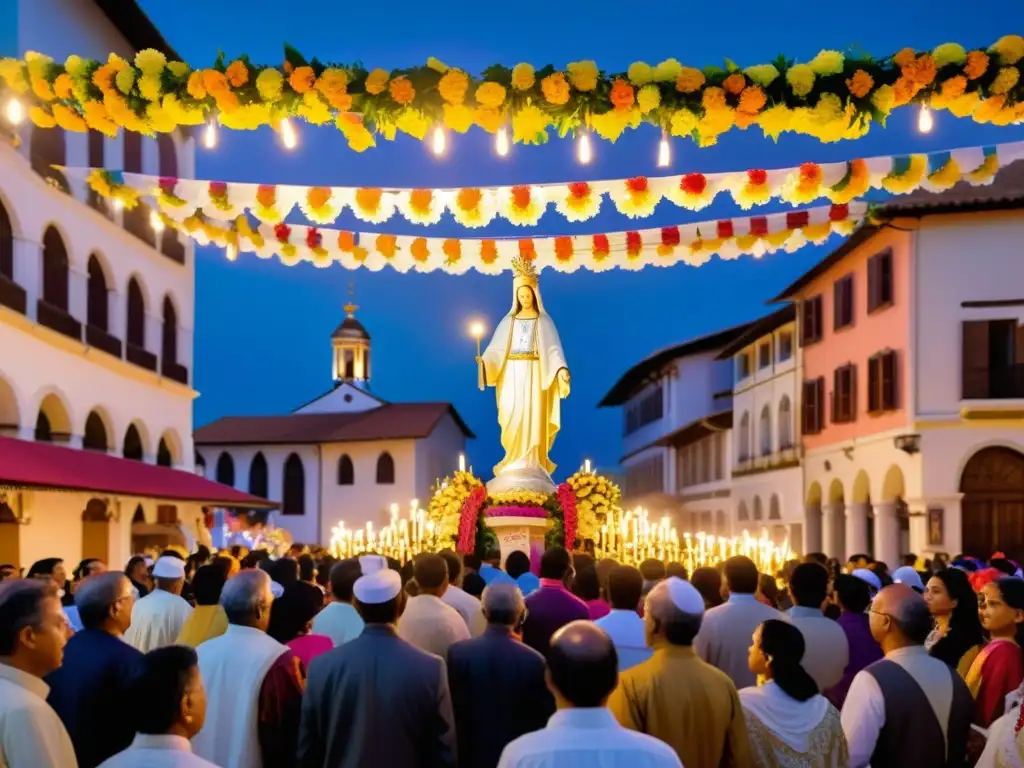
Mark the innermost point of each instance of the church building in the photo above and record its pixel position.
(346, 456)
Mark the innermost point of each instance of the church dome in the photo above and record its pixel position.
(350, 328)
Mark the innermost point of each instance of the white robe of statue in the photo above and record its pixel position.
(525, 364)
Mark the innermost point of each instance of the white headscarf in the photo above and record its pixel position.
(791, 720)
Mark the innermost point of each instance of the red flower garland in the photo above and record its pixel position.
(467, 519)
(570, 518)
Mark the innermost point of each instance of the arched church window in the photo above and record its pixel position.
(293, 501)
(346, 471)
(226, 470)
(258, 476)
(385, 469)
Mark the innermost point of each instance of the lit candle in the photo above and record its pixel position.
(462, 462)
(586, 466)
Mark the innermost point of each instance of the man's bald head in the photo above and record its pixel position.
(900, 616)
(582, 664)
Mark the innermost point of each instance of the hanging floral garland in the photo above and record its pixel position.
(692, 244)
(525, 205)
(832, 97)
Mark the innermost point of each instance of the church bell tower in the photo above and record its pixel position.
(351, 347)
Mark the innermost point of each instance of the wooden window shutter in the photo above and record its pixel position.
(974, 355)
(874, 384)
(889, 399)
(819, 398)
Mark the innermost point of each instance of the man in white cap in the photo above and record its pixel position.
(157, 618)
(377, 700)
(675, 696)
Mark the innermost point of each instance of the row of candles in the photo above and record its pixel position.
(402, 538)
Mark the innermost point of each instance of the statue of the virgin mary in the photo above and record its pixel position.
(525, 364)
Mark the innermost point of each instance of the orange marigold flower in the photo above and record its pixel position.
(903, 90)
(468, 198)
(689, 80)
(954, 87)
(904, 57)
(63, 87)
(302, 79)
(401, 90)
(735, 83)
(922, 70)
(490, 95)
(488, 251)
(487, 118)
(452, 249)
(555, 88)
(714, 98)
(346, 241)
(420, 199)
(215, 82)
(377, 82)
(521, 196)
(368, 198)
(527, 249)
(318, 197)
(42, 89)
(621, 95)
(860, 84)
(386, 245)
(237, 73)
(563, 248)
(453, 86)
(195, 86)
(752, 100)
(977, 64)
(266, 195)
(419, 249)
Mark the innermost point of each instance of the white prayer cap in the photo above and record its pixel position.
(907, 575)
(372, 563)
(870, 577)
(682, 594)
(276, 589)
(377, 587)
(168, 567)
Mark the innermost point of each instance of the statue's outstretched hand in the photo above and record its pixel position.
(564, 380)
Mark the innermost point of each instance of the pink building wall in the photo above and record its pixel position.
(884, 329)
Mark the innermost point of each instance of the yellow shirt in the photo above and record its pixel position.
(205, 623)
(690, 705)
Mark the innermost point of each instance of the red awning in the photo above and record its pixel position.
(44, 465)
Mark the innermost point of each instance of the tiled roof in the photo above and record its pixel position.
(760, 328)
(650, 367)
(393, 421)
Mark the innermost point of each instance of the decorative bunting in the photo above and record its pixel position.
(692, 244)
(831, 97)
(525, 205)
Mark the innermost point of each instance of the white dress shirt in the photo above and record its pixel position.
(157, 751)
(339, 621)
(157, 620)
(626, 629)
(31, 734)
(431, 625)
(469, 608)
(863, 713)
(583, 738)
(725, 632)
(826, 649)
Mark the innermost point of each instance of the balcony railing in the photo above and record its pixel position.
(97, 337)
(176, 372)
(12, 295)
(1000, 383)
(58, 320)
(140, 357)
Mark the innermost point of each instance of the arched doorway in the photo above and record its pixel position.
(96, 530)
(95, 437)
(132, 448)
(993, 505)
(10, 537)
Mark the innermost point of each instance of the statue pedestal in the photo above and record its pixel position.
(512, 480)
(522, 534)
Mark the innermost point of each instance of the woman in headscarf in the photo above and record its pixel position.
(957, 637)
(790, 724)
(291, 619)
(207, 619)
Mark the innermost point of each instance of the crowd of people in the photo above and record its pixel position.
(239, 660)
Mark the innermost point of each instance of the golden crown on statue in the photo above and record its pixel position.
(524, 268)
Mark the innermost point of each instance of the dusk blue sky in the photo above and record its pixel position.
(262, 329)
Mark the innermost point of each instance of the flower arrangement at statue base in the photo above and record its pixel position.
(461, 507)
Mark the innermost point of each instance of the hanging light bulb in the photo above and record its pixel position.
(501, 142)
(289, 135)
(584, 152)
(156, 222)
(14, 112)
(438, 141)
(210, 134)
(664, 151)
(925, 121)
(230, 252)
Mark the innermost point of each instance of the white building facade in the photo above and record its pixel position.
(96, 307)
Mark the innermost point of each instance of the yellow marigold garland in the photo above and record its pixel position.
(831, 97)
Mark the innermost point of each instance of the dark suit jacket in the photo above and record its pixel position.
(377, 701)
(89, 692)
(498, 693)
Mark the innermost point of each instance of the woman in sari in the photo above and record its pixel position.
(957, 638)
(790, 724)
(999, 667)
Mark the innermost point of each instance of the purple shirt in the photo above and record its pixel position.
(598, 609)
(549, 609)
(863, 651)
